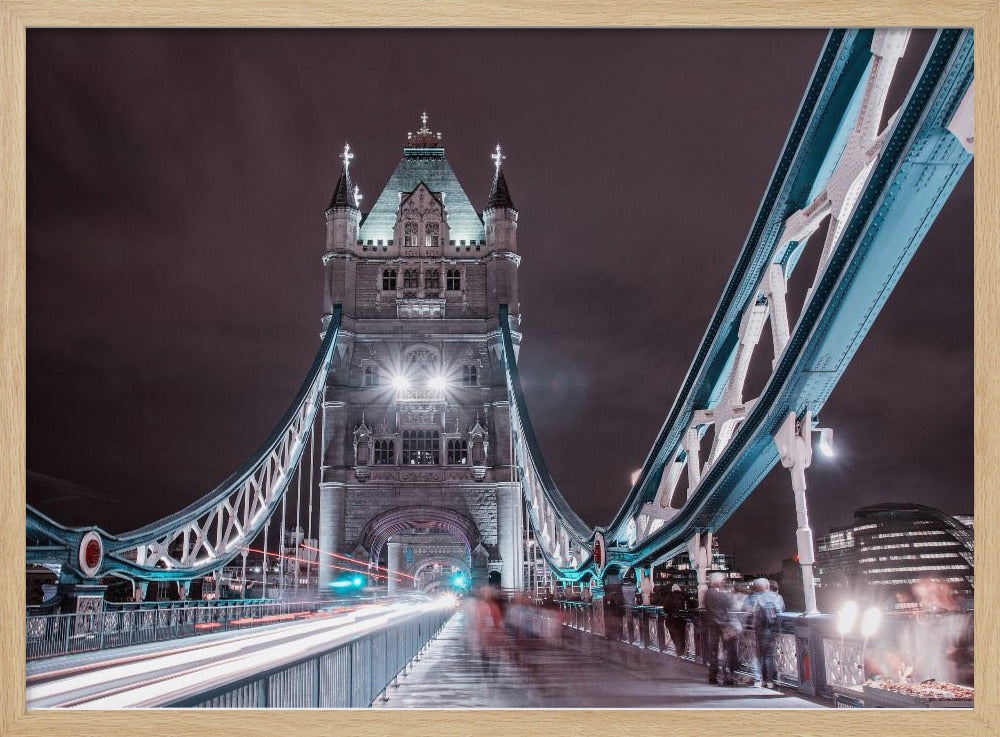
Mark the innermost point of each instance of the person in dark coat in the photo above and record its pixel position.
(675, 607)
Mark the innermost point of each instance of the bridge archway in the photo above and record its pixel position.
(403, 519)
(412, 538)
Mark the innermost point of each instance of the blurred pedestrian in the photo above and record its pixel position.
(675, 607)
(721, 627)
(765, 608)
(647, 588)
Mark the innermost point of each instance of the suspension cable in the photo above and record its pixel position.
(312, 464)
(298, 521)
(281, 545)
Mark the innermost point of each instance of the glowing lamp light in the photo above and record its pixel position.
(439, 383)
(358, 580)
(400, 383)
(826, 441)
(846, 617)
(459, 581)
(870, 621)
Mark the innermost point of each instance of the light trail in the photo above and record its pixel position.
(360, 562)
(329, 565)
(173, 673)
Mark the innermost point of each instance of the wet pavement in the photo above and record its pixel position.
(577, 670)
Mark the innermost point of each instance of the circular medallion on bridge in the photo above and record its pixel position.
(91, 554)
(599, 551)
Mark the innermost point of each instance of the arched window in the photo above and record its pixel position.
(421, 447)
(388, 280)
(454, 280)
(410, 277)
(385, 453)
(470, 375)
(371, 376)
(431, 231)
(458, 452)
(409, 234)
(432, 279)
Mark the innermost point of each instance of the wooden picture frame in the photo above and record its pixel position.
(18, 15)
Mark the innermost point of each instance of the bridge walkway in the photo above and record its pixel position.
(574, 670)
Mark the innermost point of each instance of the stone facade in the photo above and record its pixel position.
(416, 431)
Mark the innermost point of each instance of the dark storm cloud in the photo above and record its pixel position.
(176, 183)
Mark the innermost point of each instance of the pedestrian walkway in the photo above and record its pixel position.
(579, 670)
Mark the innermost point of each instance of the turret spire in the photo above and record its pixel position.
(499, 194)
(346, 193)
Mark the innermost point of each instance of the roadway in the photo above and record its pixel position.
(153, 674)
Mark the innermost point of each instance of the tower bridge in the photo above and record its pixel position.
(427, 462)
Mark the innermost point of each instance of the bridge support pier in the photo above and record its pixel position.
(794, 441)
(700, 553)
(395, 565)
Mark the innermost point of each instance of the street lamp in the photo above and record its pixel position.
(826, 441)
(846, 617)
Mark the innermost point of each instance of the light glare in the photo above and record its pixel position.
(846, 616)
(870, 621)
(826, 441)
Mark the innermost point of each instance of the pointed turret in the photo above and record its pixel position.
(343, 217)
(500, 221)
(345, 194)
(499, 194)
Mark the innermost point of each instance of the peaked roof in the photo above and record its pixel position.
(427, 165)
(343, 193)
(500, 195)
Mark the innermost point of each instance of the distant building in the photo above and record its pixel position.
(891, 547)
(678, 570)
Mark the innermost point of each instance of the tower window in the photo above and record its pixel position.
(458, 452)
(410, 234)
(388, 280)
(371, 376)
(454, 280)
(470, 375)
(410, 278)
(385, 453)
(432, 279)
(431, 231)
(421, 447)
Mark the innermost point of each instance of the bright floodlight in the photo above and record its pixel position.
(846, 617)
(439, 383)
(870, 621)
(400, 382)
(826, 441)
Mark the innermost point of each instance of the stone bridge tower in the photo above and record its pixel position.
(417, 465)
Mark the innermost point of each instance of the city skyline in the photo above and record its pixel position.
(230, 172)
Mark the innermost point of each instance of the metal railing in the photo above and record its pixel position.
(650, 628)
(349, 674)
(810, 654)
(49, 635)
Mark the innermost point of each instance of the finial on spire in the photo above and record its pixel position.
(357, 196)
(346, 156)
(424, 137)
(497, 157)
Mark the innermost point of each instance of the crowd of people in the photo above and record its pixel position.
(763, 606)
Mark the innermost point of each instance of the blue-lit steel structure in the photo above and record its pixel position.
(881, 189)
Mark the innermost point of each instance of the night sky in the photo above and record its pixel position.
(176, 188)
